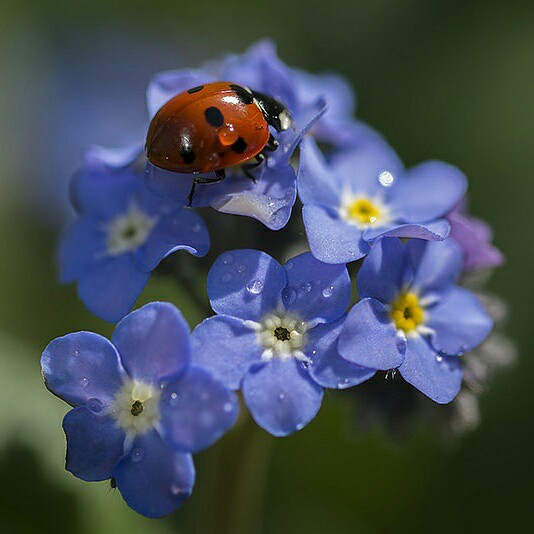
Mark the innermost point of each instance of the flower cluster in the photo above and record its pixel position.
(377, 286)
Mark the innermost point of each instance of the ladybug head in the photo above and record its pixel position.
(275, 113)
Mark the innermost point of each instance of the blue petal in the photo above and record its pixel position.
(196, 410)
(166, 184)
(320, 292)
(333, 88)
(328, 368)
(246, 284)
(103, 193)
(153, 479)
(428, 191)
(432, 231)
(260, 69)
(302, 124)
(369, 338)
(153, 342)
(384, 271)
(94, 444)
(281, 396)
(317, 183)
(360, 168)
(269, 200)
(182, 229)
(80, 246)
(438, 377)
(436, 264)
(82, 366)
(459, 321)
(166, 85)
(225, 347)
(331, 239)
(111, 286)
(114, 158)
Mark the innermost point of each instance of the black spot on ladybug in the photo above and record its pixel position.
(195, 89)
(187, 153)
(214, 116)
(239, 146)
(244, 96)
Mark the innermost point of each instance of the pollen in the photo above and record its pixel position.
(364, 211)
(407, 313)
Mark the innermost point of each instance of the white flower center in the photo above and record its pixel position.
(364, 211)
(282, 335)
(136, 407)
(129, 230)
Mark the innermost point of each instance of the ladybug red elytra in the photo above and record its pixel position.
(214, 126)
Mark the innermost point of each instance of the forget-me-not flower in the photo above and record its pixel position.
(140, 407)
(275, 335)
(121, 234)
(413, 316)
(363, 193)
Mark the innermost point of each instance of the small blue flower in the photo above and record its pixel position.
(140, 407)
(364, 193)
(275, 335)
(413, 316)
(121, 234)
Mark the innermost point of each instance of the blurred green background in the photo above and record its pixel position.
(444, 79)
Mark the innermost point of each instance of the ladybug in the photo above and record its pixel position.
(214, 126)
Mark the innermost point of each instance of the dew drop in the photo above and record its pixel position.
(289, 295)
(228, 407)
(228, 259)
(439, 358)
(84, 382)
(241, 268)
(300, 426)
(386, 178)
(94, 405)
(138, 454)
(196, 227)
(281, 395)
(227, 277)
(328, 292)
(301, 327)
(255, 287)
(173, 398)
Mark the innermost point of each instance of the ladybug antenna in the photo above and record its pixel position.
(275, 113)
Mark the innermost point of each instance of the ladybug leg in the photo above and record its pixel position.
(220, 175)
(272, 144)
(248, 167)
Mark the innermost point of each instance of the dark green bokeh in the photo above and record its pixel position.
(441, 79)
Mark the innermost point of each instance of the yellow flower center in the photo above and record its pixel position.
(407, 313)
(364, 211)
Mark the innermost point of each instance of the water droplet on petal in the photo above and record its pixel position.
(439, 358)
(289, 295)
(281, 395)
(328, 292)
(228, 259)
(94, 405)
(84, 382)
(196, 227)
(386, 178)
(228, 407)
(173, 398)
(255, 287)
(300, 426)
(241, 268)
(137, 454)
